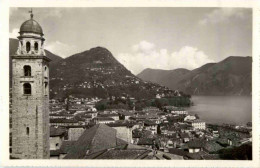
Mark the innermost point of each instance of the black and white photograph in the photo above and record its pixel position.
(130, 83)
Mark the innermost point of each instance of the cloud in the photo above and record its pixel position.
(14, 33)
(54, 12)
(149, 57)
(61, 49)
(143, 46)
(223, 15)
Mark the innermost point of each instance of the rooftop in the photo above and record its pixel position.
(57, 131)
(95, 139)
(31, 26)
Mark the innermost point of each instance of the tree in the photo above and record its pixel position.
(197, 116)
(158, 104)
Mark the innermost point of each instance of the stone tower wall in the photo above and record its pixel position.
(30, 111)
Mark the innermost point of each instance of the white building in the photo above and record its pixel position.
(179, 111)
(189, 118)
(198, 124)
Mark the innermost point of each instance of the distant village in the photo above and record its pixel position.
(168, 132)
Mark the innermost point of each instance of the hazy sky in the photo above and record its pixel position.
(161, 38)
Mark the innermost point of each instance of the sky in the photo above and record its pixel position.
(139, 38)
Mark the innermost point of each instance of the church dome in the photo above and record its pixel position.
(31, 26)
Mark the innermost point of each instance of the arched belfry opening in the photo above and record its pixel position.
(36, 46)
(28, 46)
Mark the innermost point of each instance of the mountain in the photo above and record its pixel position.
(96, 72)
(232, 76)
(163, 77)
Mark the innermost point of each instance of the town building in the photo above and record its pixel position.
(65, 122)
(179, 111)
(190, 118)
(198, 124)
(75, 132)
(124, 130)
(104, 120)
(30, 94)
(57, 136)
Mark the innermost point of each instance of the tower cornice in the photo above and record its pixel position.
(31, 57)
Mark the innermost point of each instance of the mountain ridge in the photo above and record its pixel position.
(97, 72)
(231, 76)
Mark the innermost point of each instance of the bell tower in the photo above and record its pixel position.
(30, 94)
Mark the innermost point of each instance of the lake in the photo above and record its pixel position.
(222, 109)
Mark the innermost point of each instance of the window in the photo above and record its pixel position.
(27, 70)
(45, 71)
(27, 131)
(27, 89)
(28, 46)
(36, 46)
(45, 88)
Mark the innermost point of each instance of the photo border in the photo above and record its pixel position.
(4, 86)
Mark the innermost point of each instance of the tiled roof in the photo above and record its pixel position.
(146, 141)
(222, 141)
(124, 154)
(196, 143)
(108, 115)
(184, 135)
(121, 124)
(125, 113)
(105, 119)
(97, 138)
(186, 154)
(211, 157)
(149, 123)
(195, 156)
(66, 146)
(55, 152)
(95, 155)
(57, 131)
(59, 120)
(132, 146)
(184, 126)
(179, 152)
(120, 143)
(211, 146)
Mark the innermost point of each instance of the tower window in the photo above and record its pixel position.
(27, 70)
(45, 88)
(45, 71)
(27, 130)
(36, 46)
(27, 89)
(28, 46)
